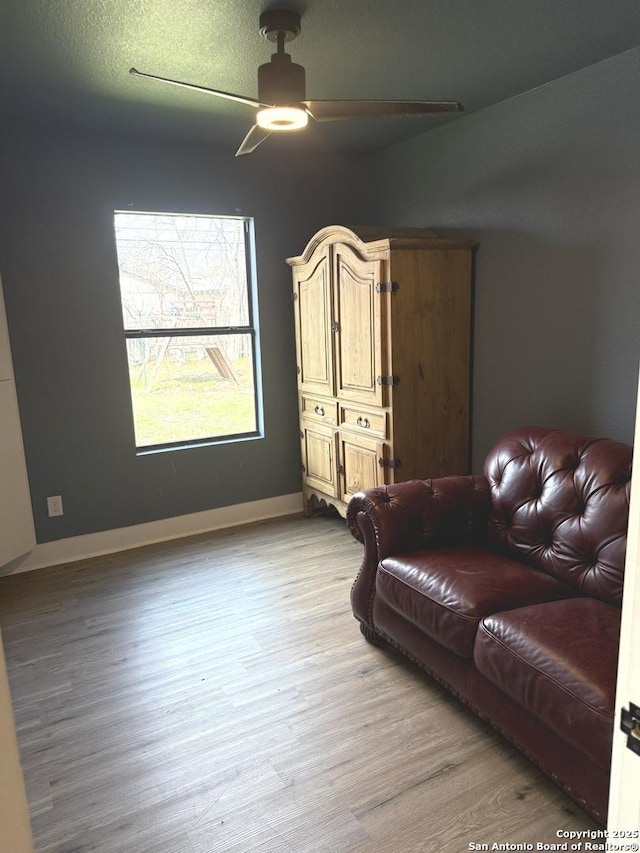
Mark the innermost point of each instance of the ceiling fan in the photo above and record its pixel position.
(282, 105)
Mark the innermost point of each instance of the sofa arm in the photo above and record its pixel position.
(412, 516)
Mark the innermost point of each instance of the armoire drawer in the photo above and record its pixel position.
(318, 409)
(367, 421)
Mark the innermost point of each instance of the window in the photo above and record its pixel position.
(188, 299)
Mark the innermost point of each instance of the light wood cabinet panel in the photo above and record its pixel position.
(361, 466)
(313, 320)
(318, 409)
(365, 421)
(359, 331)
(383, 341)
(319, 465)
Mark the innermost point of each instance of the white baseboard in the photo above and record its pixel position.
(121, 539)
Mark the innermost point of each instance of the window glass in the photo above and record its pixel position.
(191, 340)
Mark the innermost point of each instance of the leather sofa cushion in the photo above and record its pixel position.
(558, 660)
(446, 592)
(560, 502)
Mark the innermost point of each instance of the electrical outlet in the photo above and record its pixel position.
(54, 505)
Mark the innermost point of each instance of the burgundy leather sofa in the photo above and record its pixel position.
(506, 588)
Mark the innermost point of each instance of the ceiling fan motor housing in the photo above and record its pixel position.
(276, 24)
(281, 82)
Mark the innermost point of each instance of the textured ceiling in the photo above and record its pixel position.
(68, 59)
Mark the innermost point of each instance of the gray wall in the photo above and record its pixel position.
(549, 184)
(59, 189)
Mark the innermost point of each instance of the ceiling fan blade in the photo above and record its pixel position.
(251, 141)
(228, 95)
(339, 110)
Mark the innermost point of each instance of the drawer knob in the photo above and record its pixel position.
(319, 411)
(363, 422)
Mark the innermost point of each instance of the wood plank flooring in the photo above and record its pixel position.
(214, 695)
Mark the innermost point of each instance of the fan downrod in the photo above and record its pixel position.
(276, 24)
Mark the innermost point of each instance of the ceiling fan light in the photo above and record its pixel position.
(274, 119)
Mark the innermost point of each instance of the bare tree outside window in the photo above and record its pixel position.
(187, 297)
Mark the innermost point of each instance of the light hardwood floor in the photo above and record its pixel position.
(214, 695)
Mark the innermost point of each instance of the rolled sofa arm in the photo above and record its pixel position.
(412, 516)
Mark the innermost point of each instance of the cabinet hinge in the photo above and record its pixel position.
(630, 725)
(340, 469)
(389, 463)
(335, 326)
(387, 287)
(302, 468)
(388, 380)
(294, 296)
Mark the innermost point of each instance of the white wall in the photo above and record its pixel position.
(18, 535)
(624, 796)
(16, 539)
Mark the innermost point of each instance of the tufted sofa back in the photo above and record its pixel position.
(560, 502)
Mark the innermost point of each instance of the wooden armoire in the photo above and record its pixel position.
(383, 345)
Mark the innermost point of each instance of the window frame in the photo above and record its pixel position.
(251, 329)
